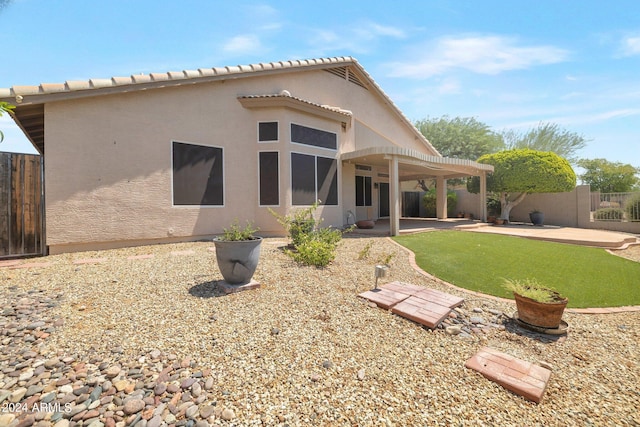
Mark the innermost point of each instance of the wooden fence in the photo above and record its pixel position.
(21, 205)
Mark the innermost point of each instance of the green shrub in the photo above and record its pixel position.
(299, 223)
(317, 248)
(530, 288)
(235, 233)
(429, 202)
(613, 214)
(315, 252)
(312, 245)
(633, 208)
(364, 253)
(494, 207)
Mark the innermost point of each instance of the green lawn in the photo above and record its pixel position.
(590, 277)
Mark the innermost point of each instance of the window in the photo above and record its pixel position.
(327, 173)
(314, 178)
(267, 131)
(198, 177)
(313, 137)
(363, 191)
(269, 178)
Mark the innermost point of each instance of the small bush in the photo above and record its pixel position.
(311, 245)
(612, 214)
(494, 207)
(298, 224)
(235, 233)
(314, 252)
(386, 259)
(633, 208)
(530, 288)
(429, 202)
(364, 253)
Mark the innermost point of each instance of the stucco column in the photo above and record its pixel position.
(483, 196)
(394, 197)
(441, 198)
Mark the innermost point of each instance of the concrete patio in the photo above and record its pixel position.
(577, 236)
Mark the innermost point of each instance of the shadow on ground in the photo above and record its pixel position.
(512, 326)
(207, 290)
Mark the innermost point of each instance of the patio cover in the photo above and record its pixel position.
(405, 164)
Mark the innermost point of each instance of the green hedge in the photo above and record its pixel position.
(633, 208)
(613, 214)
(429, 203)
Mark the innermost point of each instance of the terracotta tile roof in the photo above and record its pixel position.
(33, 96)
(175, 76)
(286, 95)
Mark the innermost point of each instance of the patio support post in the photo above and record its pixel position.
(441, 197)
(394, 197)
(483, 196)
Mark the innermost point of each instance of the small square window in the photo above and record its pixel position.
(267, 131)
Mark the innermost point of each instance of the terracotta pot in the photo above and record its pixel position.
(365, 224)
(499, 221)
(544, 315)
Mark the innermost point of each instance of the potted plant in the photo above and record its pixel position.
(493, 209)
(238, 253)
(536, 217)
(537, 305)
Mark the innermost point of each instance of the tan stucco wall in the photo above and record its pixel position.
(108, 167)
(570, 209)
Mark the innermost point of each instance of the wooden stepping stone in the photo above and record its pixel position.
(89, 261)
(432, 295)
(519, 376)
(31, 265)
(421, 311)
(384, 298)
(405, 288)
(441, 298)
(9, 263)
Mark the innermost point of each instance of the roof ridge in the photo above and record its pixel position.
(115, 81)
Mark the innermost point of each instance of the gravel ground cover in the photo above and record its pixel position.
(145, 338)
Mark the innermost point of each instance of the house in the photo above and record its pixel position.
(179, 155)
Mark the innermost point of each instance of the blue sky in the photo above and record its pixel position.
(509, 64)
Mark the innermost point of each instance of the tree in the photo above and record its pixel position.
(609, 177)
(547, 137)
(523, 171)
(5, 107)
(460, 138)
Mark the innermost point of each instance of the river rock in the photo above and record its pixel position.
(133, 406)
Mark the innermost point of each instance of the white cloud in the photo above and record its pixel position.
(372, 30)
(631, 46)
(242, 44)
(480, 54)
(449, 87)
(615, 114)
(358, 38)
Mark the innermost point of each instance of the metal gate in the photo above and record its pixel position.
(21, 205)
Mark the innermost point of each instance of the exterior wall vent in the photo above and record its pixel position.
(347, 74)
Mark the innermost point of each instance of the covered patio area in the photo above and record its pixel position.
(403, 164)
(416, 225)
(552, 233)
